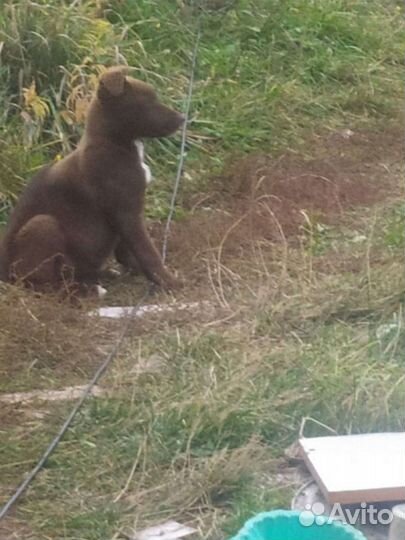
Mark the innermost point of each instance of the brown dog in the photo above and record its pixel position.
(78, 211)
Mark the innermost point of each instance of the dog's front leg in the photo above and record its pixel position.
(136, 239)
(126, 257)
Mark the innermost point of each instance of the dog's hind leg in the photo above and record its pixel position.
(38, 256)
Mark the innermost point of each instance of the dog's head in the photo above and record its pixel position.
(131, 107)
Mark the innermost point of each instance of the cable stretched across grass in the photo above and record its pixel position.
(27, 481)
(110, 357)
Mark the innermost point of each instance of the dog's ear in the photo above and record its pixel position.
(112, 82)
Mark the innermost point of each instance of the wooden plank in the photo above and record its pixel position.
(357, 468)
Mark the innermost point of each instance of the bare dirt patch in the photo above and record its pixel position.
(259, 198)
(43, 339)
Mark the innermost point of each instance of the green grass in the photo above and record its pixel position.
(203, 429)
(394, 231)
(269, 72)
(200, 434)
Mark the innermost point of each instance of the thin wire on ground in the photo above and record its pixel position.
(27, 481)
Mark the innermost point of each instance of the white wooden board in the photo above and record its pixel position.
(116, 312)
(357, 468)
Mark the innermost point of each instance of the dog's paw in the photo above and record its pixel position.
(171, 282)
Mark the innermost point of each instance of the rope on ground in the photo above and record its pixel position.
(111, 356)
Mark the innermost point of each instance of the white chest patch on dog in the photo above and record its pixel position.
(146, 169)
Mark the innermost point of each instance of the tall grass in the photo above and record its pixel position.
(268, 72)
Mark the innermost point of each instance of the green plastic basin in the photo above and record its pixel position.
(290, 525)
